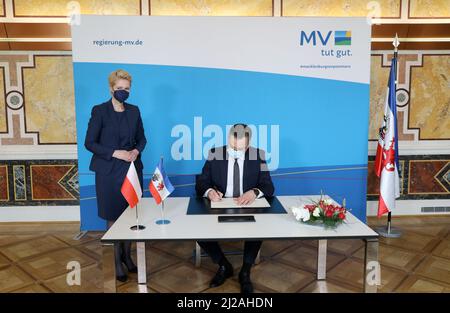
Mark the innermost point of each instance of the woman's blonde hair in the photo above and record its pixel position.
(118, 74)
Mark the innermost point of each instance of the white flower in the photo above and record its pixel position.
(316, 212)
(300, 213)
(328, 201)
(295, 211)
(304, 215)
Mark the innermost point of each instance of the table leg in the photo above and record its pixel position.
(108, 268)
(141, 263)
(372, 272)
(322, 259)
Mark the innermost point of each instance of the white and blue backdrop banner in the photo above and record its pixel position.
(302, 84)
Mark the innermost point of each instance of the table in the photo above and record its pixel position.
(206, 227)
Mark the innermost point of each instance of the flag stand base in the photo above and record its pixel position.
(137, 227)
(385, 232)
(162, 222)
(388, 231)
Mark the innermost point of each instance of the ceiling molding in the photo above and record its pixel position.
(55, 34)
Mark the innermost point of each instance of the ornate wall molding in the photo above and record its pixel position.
(411, 140)
(39, 182)
(422, 177)
(13, 65)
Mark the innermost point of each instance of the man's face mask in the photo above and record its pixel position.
(235, 154)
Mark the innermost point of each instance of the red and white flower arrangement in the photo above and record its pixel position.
(323, 211)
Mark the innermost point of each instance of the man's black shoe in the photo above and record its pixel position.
(224, 272)
(246, 283)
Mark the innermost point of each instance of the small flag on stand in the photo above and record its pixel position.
(160, 185)
(131, 187)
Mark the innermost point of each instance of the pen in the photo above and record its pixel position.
(218, 192)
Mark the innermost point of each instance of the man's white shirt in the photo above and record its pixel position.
(229, 190)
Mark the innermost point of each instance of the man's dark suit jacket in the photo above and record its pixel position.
(215, 171)
(102, 136)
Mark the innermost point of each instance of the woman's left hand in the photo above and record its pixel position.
(133, 155)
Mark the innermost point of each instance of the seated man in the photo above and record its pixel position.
(241, 172)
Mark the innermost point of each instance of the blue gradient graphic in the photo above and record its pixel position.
(323, 125)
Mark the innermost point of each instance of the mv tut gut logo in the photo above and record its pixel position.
(342, 42)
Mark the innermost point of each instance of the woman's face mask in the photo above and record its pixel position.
(121, 95)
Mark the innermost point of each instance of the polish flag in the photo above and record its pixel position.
(131, 187)
(386, 161)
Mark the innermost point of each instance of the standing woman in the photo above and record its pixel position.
(116, 137)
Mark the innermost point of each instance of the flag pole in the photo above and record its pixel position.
(137, 216)
(162, 221)
(389, 231)
(137, 226)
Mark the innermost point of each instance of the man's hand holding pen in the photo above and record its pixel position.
(215, 195)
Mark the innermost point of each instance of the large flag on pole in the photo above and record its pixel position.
(160, 185)
(131, 187)
(386, 161)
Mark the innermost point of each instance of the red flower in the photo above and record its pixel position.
(310, 207)
(341, 215)
(329, 213)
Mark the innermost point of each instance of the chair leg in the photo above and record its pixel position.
(198, 255)
(258, 257)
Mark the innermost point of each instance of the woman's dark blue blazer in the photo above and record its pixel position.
(102, 136)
